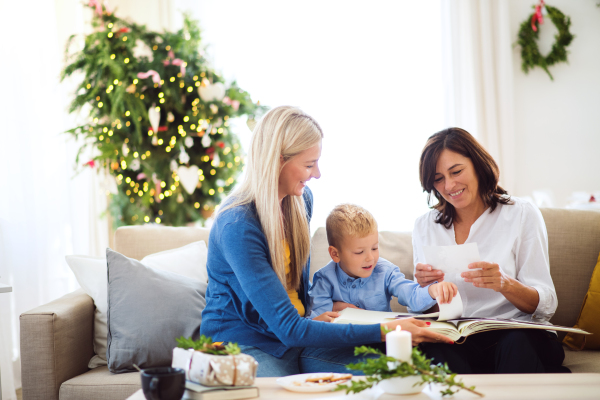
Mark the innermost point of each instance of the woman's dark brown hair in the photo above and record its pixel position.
(461, 142)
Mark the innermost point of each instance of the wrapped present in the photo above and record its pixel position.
(215, 370)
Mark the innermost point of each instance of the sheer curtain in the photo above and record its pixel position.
(369, 72)
(478, 72)
(46, 212)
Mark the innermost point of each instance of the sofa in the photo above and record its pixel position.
(56, 338)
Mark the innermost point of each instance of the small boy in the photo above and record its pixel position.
(358, 276)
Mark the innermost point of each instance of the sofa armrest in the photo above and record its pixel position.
(56, 344)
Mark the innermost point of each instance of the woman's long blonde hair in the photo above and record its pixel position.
(283, 133)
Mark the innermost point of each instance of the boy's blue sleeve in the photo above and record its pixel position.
(409, 293)
(321, 295)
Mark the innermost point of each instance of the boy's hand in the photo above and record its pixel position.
(443, 292)
(340, 305)
(327, 316)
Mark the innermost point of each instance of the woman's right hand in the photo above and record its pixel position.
(418, 330)
(426, 275)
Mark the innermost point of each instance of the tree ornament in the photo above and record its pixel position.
(184, 158)
(154, 117)
(251, 122)
(211, 91)
(188, 177)
(216, 160)
(135, 164)
(529, 33)
(170, 117)
(141, 49)
(206, 139)
(189, 141)
(173, 165)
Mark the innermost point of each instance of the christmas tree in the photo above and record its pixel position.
(159, 120)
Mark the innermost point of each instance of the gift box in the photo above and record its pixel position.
(215, 370)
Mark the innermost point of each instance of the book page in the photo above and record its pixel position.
(363, 317)
(451, 259)
(452, 310)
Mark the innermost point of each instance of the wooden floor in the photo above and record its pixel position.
(19, 394)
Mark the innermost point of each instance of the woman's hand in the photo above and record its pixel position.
(443, 292)
(340, 305)
(488, 276)
(327, 316)
(426, 275)
(418, 330)
(491, 276)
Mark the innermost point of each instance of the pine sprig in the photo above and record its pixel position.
(530, 52)
(384, 367)
(206, 345)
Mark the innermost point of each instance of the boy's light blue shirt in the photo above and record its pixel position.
(331, 284)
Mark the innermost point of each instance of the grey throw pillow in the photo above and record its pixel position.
(147, 310)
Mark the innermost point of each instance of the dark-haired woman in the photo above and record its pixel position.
(514, 280)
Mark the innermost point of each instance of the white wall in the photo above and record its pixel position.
(557, 122)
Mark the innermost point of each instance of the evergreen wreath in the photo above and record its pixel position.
(530, 53)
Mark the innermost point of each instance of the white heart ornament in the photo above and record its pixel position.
(188, 176)
(212, 92)
(154, 117)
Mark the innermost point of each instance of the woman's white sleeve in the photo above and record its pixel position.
(533, 263)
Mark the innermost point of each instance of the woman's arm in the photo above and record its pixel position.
(246, 251)
(491, 276)
(532, 291)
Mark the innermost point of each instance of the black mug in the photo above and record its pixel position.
(163, 383)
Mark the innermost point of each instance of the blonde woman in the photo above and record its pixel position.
(258, 260)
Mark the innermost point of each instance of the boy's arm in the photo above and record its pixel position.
(409, 293)
(321, 294)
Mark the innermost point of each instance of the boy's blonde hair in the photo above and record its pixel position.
(348, 220)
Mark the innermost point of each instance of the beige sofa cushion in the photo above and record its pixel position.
(139, 241)
(99, 383)
(574, 245)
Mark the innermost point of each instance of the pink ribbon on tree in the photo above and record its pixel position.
(175, 61)
(537, 16)
(97, 4)
(153, 73)
(235, 104)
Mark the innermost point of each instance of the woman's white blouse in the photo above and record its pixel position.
(512, 236)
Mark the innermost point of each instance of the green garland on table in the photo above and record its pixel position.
(158, 120)
(530, 53)
(379, 369)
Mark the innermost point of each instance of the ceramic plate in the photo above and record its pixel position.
(297, 383)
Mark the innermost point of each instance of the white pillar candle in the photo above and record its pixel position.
(398, 344)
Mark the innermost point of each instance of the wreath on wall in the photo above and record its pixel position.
(529, 34)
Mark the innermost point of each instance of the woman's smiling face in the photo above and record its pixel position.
(455, 179)
(298, 170)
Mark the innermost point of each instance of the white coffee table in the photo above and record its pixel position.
(3, 289)
(494, 387)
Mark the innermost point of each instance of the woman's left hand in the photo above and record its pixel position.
(488, 276)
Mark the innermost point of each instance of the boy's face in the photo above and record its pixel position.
(357, 256)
